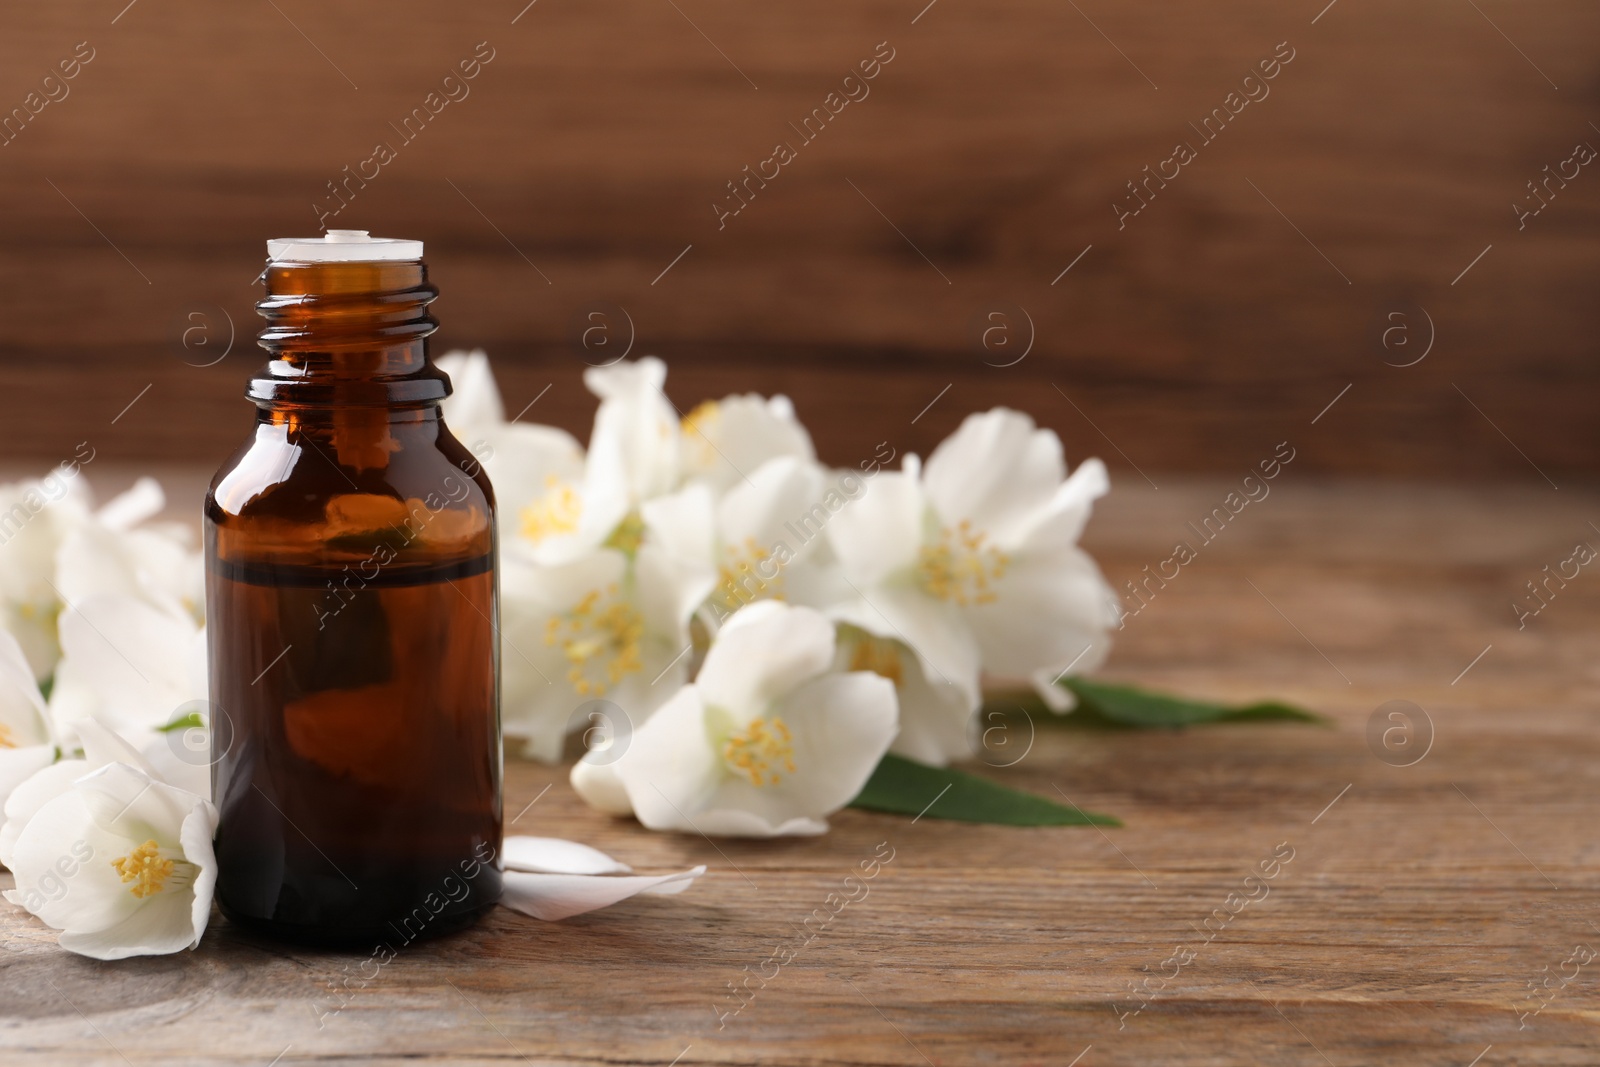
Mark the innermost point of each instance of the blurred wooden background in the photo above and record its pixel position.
(1249, 294)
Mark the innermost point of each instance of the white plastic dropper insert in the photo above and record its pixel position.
(343, 246)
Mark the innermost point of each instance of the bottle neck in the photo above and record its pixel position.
(347, 335)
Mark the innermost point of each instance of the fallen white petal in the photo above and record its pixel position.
(559, 896)
(551, 855)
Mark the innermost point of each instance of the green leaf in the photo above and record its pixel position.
(1138, 708)
(188, 722)
(906, 787)
(47, 685)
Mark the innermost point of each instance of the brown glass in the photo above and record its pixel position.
(352, 612)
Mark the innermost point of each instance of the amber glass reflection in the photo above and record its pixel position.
(352, 609)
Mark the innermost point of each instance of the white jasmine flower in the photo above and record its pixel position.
(537, 471)
(56, 550)
(725, 440)
(134, 666)
(634, 450)
(602, 627)
(474, 403)
(120, 863)
(768, 740)
(35, 516)
(26, 745)
(118, 552)
(754, 543)
(974, 562)
(632, 458)
(556, 505)
(551, 879)
(937, 718)
(101, 747)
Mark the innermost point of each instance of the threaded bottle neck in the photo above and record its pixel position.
(348, 334)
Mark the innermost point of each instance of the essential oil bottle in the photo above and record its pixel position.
(352, 614)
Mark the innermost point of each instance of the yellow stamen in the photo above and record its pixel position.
(7, 739)
(698, 426)
(600, 639)
(880, 657)
(753, 752)
(702, 418)
(145, 868)
(557, 512)
(749, 574)
(958, 566)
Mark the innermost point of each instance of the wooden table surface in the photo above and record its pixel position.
(1421, 904)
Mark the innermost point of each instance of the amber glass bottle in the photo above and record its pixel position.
(352, 616)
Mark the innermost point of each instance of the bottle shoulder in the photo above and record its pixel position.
(304, 495)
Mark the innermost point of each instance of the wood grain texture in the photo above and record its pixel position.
(987, 157)
(1420, 903)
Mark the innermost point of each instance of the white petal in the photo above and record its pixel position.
(172, 760)
(936, 718)
(1062, 520)
(626, 380)
(533, 468)
(995, 472)
(135, 658)
(32, 794)
(599, 786)
(168, 921)
(668, 595)
(161, 925)
(681, 527)
(762, 652)
(540, 702)
(559, 896)
(770, 506)
(731, 822)
(103, 746)
(1049, 609)
(96, 560)
(64, 858)
(635, 440)
(728, 439)
(935, 630)
(143, 500)
(670, 770)
(132, 804)
(522, 460)
(17, 765)
(552, 855)
(841, 726)
(879, 532)
(22, 709)
(474, 400)
(199, 828)
(35, 516)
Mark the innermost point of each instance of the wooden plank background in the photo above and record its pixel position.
(1421, 903)
(1248, 294)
